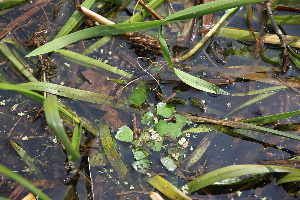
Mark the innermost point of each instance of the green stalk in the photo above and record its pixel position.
(207, 36)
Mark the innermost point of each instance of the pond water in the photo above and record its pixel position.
(234, 65)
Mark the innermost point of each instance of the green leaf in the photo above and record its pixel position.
(253, 100)
(162, 127)
(141, 166)
(165, 110)
(270, 118)
(97, 158)
(147, 118)
(110, 149)
(139, 153)
(54, 122)
(124, 134)
(180, 120)
(137, 97)
(72, 56)
(233, 172)
(174, 130)
(93, 32)
(7, 172)
(206, 8)
(167, 188)
(199, 83)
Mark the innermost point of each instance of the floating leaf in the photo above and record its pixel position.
(165, 110)
(139, 153)
(174, 130)
(124, 134)
(162, 127)
(180, 120)
(147, 118)
(141, 166)
(137, 97)
(168, 163)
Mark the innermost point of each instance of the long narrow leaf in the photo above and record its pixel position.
(233, 172)
(74, 20)
(90, 61)
(167, 188)
(53, 121)
(271, 118)
(110, 149)
(5, 171)
(243, 126)
(115, 29)
(78, 94)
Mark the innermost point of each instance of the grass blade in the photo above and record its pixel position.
(90, 61)
(74, 20)
(79, 94)
(233, 172)
(5, 171)
(243, 126)
(54, 122)
(270, 118)
(27, 160)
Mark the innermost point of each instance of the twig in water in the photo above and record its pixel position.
(286, 62)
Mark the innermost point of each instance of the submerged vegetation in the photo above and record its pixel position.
(175, 100)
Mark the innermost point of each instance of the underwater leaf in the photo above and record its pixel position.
(199, 83)
(233, 171)
(147, 118)
(271, 118)
(166, 188)
(77, 94)
(141, 166)
(168, 163)
(124, 134)
(137, 97)
(251, 101)
(54, 122)
(165, 110)
(201, 128)
(110, 149)
(73, 56)
(97, 158)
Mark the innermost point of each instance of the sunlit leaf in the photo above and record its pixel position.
(162, 127)
(124, 134)
(139, 153)
(165, 110)
(232, 172)
(174, 130)
(180, 121)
